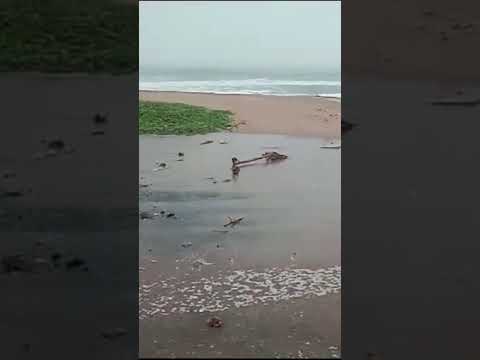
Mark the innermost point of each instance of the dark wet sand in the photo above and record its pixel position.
(289, 207)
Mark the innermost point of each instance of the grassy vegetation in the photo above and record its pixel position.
(91, 36)
(181, 119)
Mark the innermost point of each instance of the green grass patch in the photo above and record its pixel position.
(181, 119)
(62, 36)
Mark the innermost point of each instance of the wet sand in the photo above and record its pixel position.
(285, 115)
(274, 278)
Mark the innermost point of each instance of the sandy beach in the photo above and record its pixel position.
(282, 115)
(274, 279)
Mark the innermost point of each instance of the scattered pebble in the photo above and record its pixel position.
(215, 322)
(180, 154)
(206, 142)
(222, 142)
(169, 215)
(186, 244)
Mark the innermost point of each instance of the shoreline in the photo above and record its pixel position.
(305, 116)
(236, 94)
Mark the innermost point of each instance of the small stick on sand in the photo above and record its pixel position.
(232, 222)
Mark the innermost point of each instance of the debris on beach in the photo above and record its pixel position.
(144, 215)
(269, 156)
(232, 222)
(186, 244)
(222, 142)
(202, 262)
(206, 142)
(114, 333)
(161, 166)
(215, 322)
(226, 180)
(169, 215)
(180, 154)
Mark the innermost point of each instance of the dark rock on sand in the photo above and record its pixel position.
(215, 322)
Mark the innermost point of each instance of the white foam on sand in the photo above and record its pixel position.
(238, 289)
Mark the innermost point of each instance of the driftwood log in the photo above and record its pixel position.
(269, 156)
(233, 222)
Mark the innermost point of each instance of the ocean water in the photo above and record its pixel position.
(264, 82)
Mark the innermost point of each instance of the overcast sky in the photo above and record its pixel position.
(240, 34)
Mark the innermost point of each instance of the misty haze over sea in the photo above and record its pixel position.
(269, 48)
